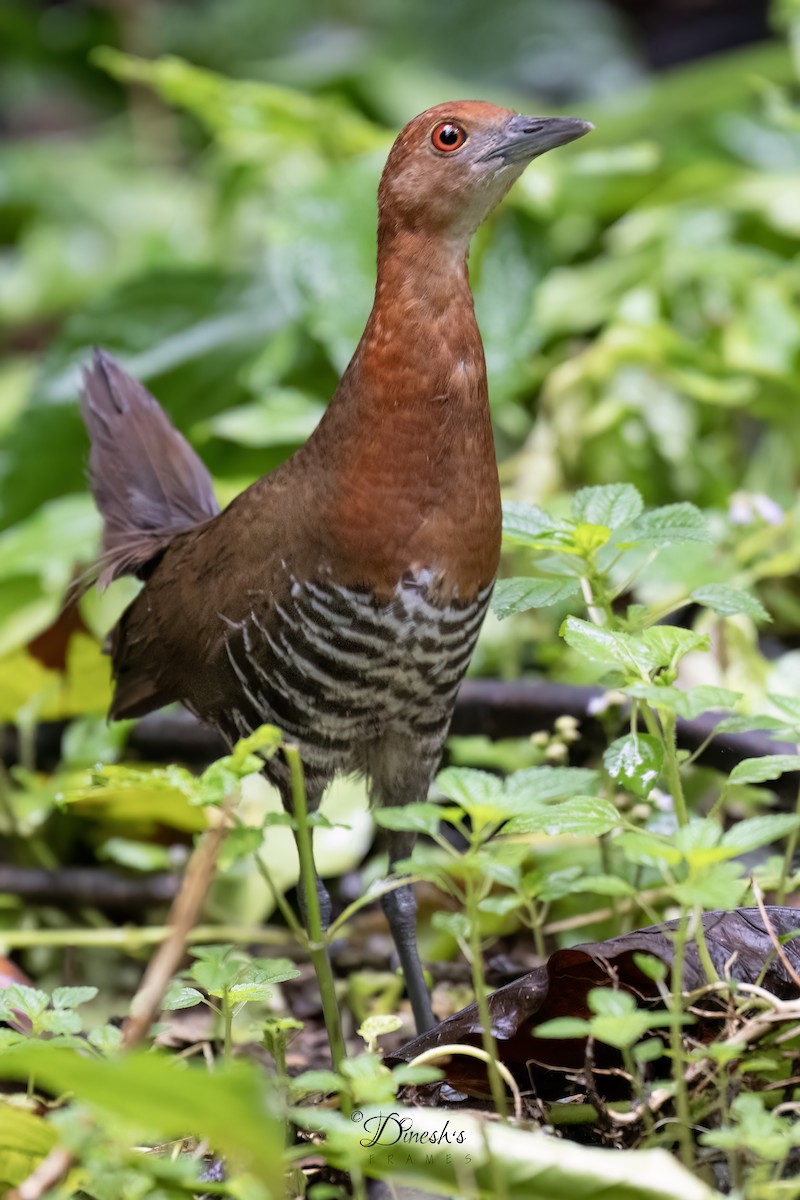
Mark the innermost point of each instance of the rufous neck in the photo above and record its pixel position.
(417, 269)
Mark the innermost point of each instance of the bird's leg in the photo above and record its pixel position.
(400, 909)
(400, 775)
(324, 903)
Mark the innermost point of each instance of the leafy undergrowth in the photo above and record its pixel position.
(686, 1054)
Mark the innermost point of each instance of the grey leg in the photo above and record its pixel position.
(324, 904)
(401, 773)
(400, 908)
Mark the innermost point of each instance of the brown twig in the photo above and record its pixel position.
(773, 937)
(50, 1171)
(183, 916)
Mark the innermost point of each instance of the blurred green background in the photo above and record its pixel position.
(192, 186)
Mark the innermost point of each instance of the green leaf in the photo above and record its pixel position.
(378, 1025)
(635, 762)
(611, 1002)
(405, 1074)
(60, 1021)
(788, 705)
(501, 906)
(136, 855)
(672, 523)
(759, 770)
(250, 118)
(520, 594)
(285, 416)
(589, 538)
(727, 601)
(612, 505)
(633, 653)
(454, 923)
(179, 996)
(649, 850)
(543, 785)
(71, 997)
(622, 1031)
(695, 840)
(423, 817)
(107, 1039)
(31, 1002)
(689, 703)
(563, 1027)
(746, 723)
(759, 831)
(723, 887)
(654, 968)
(315, 1081)
(649, 1051)
(601, 645)
(582, 816)
(526, 524)
(25, 1140)
(263, 974)
(233, 1108)
(603, 885)
(477, 793)
(665, 645)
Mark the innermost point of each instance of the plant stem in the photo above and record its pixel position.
(638, 1094)
(227, 1026)
(702, 947)
(788, 859)
(132, 938)
(535, 921)
(317, 940)
(672, 769)
(479, 986)
(279, 900)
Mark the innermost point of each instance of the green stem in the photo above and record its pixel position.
(317, 940)
(132, 938)
(702, 947)
(682, 1111)
(608, 869)
(479, 986)
(369, 897)
(535, 921)
(227, 1027)
(637, 1087)
(672, 770)
(280, 901)
(788, 859)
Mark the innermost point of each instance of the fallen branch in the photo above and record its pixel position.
(88, 887)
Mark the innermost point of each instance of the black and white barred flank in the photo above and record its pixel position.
(339, 671)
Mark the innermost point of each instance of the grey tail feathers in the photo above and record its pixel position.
(147, 481)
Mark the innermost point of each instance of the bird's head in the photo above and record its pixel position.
(453, 163)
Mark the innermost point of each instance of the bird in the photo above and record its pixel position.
(340, 596)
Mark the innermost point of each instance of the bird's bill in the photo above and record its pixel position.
(524, 138)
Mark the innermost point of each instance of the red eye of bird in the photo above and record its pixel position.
(448, 136)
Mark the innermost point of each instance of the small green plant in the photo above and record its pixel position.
(35, 1014)
(230, 979)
